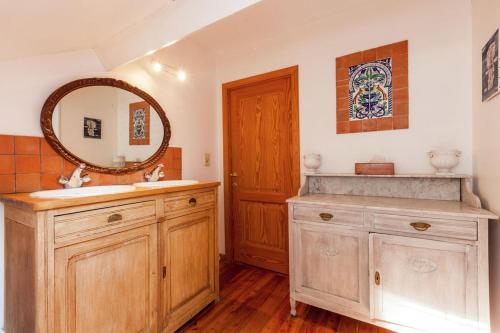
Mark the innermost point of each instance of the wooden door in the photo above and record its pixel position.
(261, 166)
(423, 284)
(188, 273)
(331, 265)
(108, 284)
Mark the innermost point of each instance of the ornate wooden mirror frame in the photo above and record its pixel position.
(56, 96)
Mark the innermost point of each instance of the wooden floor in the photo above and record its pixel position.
(254, 300)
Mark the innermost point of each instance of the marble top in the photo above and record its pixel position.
(399, 205)
(426, 175)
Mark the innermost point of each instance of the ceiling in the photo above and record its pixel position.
(269, 19)
(29, 28)
(122, 30)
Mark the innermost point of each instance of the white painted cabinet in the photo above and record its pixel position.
(402, 260)
(332, 265)
(424, 284)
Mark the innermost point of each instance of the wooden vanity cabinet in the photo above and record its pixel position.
(108, 284)
(189, 258)
(188, 271)
(141, 264)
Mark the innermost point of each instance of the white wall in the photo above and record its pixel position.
(439, 76)
(189, 105)
(485, 20)
(439, 34)
(26, 83)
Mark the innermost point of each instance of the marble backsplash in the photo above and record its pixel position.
(397, 187)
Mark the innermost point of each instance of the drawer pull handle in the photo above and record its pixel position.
(420, 226)
(377, 278)
(192, 202)
(115, 218)
(326, 216)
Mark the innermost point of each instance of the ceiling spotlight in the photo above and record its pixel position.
(181, 75)
(157, 67)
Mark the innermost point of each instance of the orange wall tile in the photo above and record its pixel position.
(27, 182)
(7, 164)
(7, 184)
(6, 144)
(27, 145)
(29, 164)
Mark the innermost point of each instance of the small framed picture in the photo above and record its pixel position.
(91, 128)
(490, 87)
(139, 124)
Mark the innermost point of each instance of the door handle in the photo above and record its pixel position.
(326, 216)
(115, 218)
(377, 278)
(420, 226)
(233, 174)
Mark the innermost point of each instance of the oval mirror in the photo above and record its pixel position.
(107, 124)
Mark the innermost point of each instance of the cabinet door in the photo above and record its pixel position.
(331, 265)
(189, 266)
(423, 284)
(108, 284)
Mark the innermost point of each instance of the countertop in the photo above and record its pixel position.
(35, 204)
(397, 205)
(415, 175)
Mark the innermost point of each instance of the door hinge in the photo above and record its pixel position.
(164, 271)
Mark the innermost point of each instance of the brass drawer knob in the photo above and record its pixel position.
(115, 218)
(377, 278)
(420, 226)
(326, 216)
(192, 202)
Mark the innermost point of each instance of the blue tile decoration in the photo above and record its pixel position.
(370, 90)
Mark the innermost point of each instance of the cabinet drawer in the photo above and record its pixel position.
(179, 205)
(425, 226)
(86, 223)
(328, 215)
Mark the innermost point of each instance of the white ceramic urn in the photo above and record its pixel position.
(312, 162)
(444, 160)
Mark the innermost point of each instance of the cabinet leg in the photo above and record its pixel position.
(293, 307)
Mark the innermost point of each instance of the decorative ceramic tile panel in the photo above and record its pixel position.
(372, 89)
(29, 164)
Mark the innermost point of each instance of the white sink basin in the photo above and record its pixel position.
(166, 183)
(89, 191)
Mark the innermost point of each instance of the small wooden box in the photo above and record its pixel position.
(374, 168)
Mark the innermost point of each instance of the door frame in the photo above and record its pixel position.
(227, 88)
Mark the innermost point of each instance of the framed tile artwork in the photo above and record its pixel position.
(372, 89)
(139, 123)
(489, 73)
(92, 128)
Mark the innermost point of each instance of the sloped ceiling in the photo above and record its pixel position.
(270, 19)
(118, 30)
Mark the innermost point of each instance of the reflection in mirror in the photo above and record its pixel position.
(107, 126)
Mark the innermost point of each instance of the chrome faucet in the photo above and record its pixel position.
(156, 174)
(76, 179)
